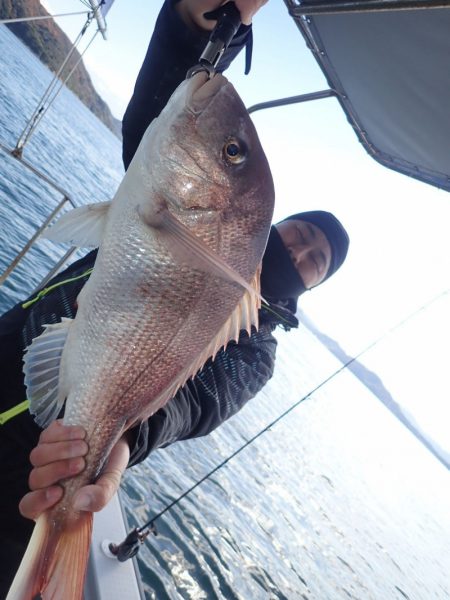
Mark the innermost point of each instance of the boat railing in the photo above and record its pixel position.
(66, 199)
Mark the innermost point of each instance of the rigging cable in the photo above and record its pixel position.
(41, 17)
(54, 89)
(130, 546)
(63, 82)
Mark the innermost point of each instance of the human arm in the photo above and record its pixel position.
(173, 49)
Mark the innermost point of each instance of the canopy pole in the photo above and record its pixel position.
(96, 7)
(320, 7)
(294, 100)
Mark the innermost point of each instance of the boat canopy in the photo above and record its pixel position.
(388, 62)
(105, 6)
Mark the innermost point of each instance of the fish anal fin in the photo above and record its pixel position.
(83, 226)
(42, 363)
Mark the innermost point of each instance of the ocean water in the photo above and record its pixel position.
(337, 500)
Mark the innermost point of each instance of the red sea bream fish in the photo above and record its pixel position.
(176, 277)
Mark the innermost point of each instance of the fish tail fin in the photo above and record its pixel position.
(54, 564)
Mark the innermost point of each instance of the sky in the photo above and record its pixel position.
(399, 258)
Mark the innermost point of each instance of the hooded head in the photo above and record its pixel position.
(284, 276)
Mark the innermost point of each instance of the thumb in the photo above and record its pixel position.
(96, 496)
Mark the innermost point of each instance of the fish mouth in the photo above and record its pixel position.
(202, 90)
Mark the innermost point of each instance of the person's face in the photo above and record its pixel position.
(309, 249)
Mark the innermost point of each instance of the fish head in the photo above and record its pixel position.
(206, 164)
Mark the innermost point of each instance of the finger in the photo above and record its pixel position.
(46, 453)
(248, 8)
(95, 497)
(35, 503)
(42, 477)
(57, 432)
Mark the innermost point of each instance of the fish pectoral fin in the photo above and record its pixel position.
(188, 248)
(42, 373)
(83, 226)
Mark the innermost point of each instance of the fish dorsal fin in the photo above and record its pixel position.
(42, 366)
(244, 316)
(189, 249)
(82, 226)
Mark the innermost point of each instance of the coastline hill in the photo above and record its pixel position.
(373, 382)
(51, 45)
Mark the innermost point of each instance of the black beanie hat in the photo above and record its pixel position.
(333, 230)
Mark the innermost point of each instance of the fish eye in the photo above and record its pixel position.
(234, 151)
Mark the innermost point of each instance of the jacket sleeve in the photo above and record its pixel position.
(173, 49)
(215, 394)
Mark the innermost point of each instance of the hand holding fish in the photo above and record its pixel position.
(192, 11)
(59, 455)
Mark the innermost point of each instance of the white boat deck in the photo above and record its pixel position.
(107, 578)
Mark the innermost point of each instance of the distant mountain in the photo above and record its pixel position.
(376, 386)
(52, 45)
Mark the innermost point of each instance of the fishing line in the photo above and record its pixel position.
(130, 546)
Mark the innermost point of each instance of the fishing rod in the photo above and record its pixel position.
(131, 544)
(228, 22)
